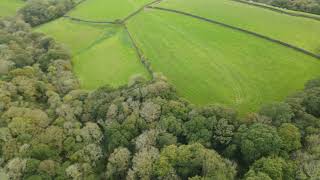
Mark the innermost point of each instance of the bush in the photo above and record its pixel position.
(36, 12)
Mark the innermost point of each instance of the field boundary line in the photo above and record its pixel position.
(140, 53)
(279, 10)
(139, 10)
(239, 29)
(78, 3)
(89, 21)
(75, 5)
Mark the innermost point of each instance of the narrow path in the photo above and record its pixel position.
(139, 53)
(238, 29)
(276, 9)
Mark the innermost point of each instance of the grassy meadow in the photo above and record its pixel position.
(208, 63)
(102, 54)
(10, 7)
(298, 31)
(106, 10)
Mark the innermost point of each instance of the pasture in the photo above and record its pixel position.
(298, 31)
(10, 7)
(208, 63)
(102, 54)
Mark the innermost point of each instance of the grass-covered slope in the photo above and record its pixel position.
(102, 54)
(298, 31)
(106, 10)
(9, 7)
(208, 63)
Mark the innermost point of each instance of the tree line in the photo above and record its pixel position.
(309, 6)
(37, 12)
(50, 128)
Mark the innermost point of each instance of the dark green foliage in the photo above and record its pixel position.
(171, 125)
(35, 49)
(252, 175)
(192, 160)
(290, 136)
(165, 139)
(42, 152)
(117, 136)
(36, 12)
(308, 159)
(311, 101)
(307, 123)
(211, 126)
(272, 168)
(222, 133)
(278, 112)
(32, 166)
(177, 109)
(312, 83)
(258, 140)
(21, 57)
(199, 129)
(34, 177)
(118, 164)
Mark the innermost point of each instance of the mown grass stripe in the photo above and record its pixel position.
(239, 29)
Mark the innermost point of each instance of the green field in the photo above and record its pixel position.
(208, 63)
(298, 31)
(102, 54)
(9, 7)
(106, 10)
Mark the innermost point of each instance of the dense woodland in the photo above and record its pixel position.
(52, 129)
(309, 6)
